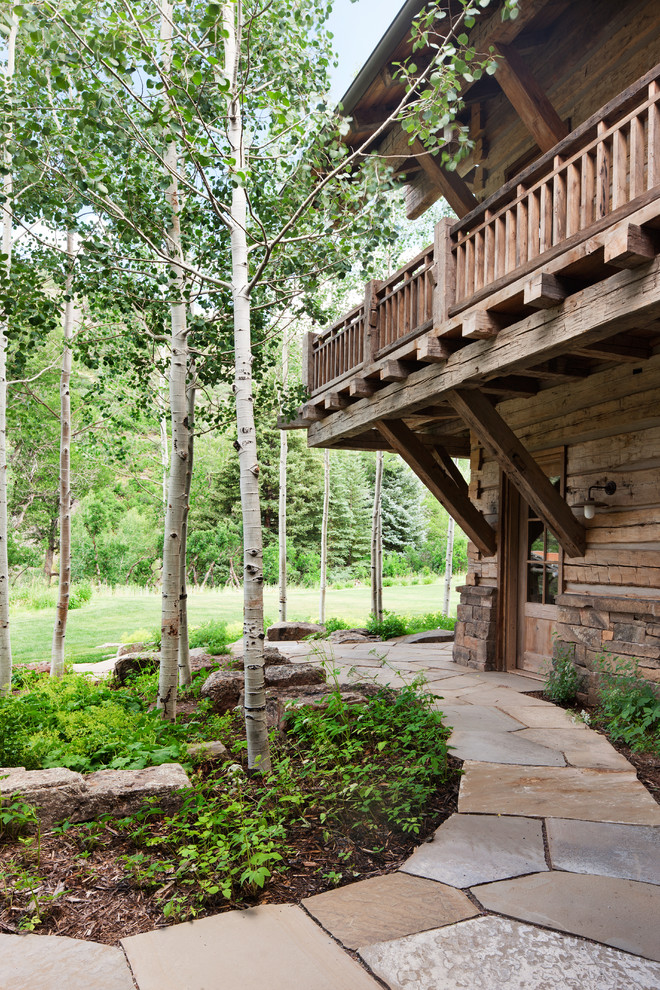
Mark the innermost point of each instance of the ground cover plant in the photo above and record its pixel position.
(629, 707)
(353, 788)
(392, 625)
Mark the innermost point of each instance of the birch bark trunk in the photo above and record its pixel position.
(324, 534)
(176, 489)
(449, 565)
(284, 446)
(71, 318)
(185, 674)
(246, 442)
(7, 217)
(377, 543)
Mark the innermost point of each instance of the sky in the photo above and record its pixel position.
(357, 27)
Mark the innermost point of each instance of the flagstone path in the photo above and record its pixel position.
(547, 878)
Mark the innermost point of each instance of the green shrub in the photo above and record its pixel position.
(403, 625)
(562, 680)
(628, 706)
(80, 595)
(388, 627)
(213, 636)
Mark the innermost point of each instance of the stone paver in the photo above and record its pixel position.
(476, 718)
(471, 849)
(621, 913)
(503, 747)
(276, 946)
(499, 954)
(631, 852)
(559, 792)
(519, 682)
(581, 749)
(388, 907)
(540, 716)
(503, 697)
(52, 962)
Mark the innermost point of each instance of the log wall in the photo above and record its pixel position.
(609, 425)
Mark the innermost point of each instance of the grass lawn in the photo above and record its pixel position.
(111, 618)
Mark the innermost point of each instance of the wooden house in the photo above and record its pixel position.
(527, 336)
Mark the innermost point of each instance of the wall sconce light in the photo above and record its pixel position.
(590, 504)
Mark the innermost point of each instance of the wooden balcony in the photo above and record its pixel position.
(585, 210)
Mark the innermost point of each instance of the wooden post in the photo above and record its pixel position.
(371, 338)
(444, 293)
(307, 369)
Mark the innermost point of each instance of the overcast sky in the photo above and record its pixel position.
(358, 27)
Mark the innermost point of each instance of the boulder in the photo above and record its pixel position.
(135, 663)
(223, 688)
(135, 648)
(272, 657)
(290, 631)
(208, 750)
(59, 793)
(292, 675)
(353, 636)
(429, 636)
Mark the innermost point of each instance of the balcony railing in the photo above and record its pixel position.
(605, 170)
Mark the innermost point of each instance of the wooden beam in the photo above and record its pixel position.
(333, 401)
(306, 370)
(421, 460)
(511, 384)
(395, 371)
(361, 388)
(520, 467)
(421, 194)
(528, 99)
(544, 290)
(447, 464)
(481, 325)
(628, 246)
(633, 351)
(430, 349)
(450, 184)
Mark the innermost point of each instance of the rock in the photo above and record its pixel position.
(272, 657)
(429, 636)
(122, 792)
(223, 688)
(290, 675)
(55, 793)
(289, 631)
(353, 636)
(317, 696)
(135, 648)
(135, 663)
(59, 793)
(213, 750)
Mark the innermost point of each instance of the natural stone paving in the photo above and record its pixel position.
(477, 718)
(503, 747)
(472, 849)
(539, 716)
(387, 907)
(581, 749)
(631, 852)
(621, 913)
(51, 962)
(559, 792)
(276, 946)
(498, 954)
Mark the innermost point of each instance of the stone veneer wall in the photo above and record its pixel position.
(594, 626)
(476, 628)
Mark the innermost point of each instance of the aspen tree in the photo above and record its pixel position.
(281, 523)
(324, 533)
(377, 543)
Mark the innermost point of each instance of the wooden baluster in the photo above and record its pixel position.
(489, 248)
(522, 220)
(469, 267)
(545, 227)
(478, 260)
(445, 273)
(637, 184)
(588, 190)
(603, 165)
(654, 137)
(460, 271)
(573, 200)
(308, 367)
(619, 169)
(533, 224)
(500, 246)
(510, 238)
(558, 202)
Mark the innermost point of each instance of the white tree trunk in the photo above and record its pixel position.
(71, 319)
(246, 443)
(7, 215)
(377, 543)
(324, 534)
(185, 674)
(284, 445)
(164, 458)
(176, 490)
(449, 564)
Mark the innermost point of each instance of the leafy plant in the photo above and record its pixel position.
(213, 636)
(628, 705)
(562, 679)
(388, 627)
(393, 625)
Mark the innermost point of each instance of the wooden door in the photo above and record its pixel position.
(539, 577)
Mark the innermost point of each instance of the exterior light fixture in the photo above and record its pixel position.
(590, 504)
